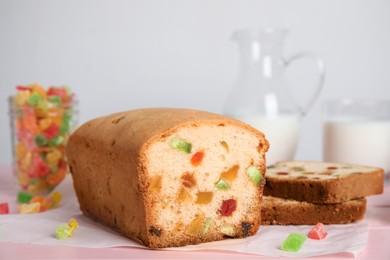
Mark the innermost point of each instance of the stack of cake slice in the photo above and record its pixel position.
(307, 192)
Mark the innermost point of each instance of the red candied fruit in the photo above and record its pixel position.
(197, 158)
(52, 131)
(228, 207)
(332, 168)
(22, 88)
(4, 208)
(318, 232)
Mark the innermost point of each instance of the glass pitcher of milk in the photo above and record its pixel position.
(261, 95)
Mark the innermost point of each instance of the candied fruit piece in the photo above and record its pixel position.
(155, 231)
(188, 180)
(228, 230)
(231, 174)
(180, 145)
(318, 232)
(254, 174)
(24, 197)
(204, 197)
(155, 183)
(205, 227)
(4, 209)
(245, 228)
(195, 227)
(293, 242)
(197, 158)
(228, 207)
(221, 184)
(184, 195)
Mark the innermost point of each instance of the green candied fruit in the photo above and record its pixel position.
(228, 230)
(254, 174)
(293, 242)
(206, 225)
(24, 197)
(56, 141)
(34, 99)
(222, 185)
(40, 140)
(180, 145)
(56, 100)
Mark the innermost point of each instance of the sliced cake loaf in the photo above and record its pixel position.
(170, 177)
(277, 211)
(322, 182)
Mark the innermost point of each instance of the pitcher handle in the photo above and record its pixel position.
(320, 83)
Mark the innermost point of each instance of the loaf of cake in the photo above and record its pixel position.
(277, 211)
(170, 177)
(322, 182)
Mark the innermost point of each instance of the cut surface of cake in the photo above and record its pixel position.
(170, 177)
(277, 211)
(322, 182)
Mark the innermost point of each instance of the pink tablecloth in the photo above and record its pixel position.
(378, 246)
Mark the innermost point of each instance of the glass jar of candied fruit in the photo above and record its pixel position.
(41, 122)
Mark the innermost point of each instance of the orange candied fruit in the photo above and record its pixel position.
(204, 197)
(197, 158)
(230, 174)
(155, 183)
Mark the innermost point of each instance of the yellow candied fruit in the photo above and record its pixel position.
(37, 187)
(195, 226)
(230, 174)
(29, 208)
(228, 230)
(155, 183)
(22, 97)
(37, 198)
(56, 198)
(45, 123)
(184, 195)
(73, 224)
(23, 179)
(53, 157)
(25, 162)
(36, 88)
(20, 150)
(204, 197)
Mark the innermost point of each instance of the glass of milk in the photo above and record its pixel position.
(358, 131)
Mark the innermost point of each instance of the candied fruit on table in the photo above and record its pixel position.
(4, 208)
(293, 242)
(318, 232)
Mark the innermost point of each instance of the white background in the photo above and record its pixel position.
(120, 55)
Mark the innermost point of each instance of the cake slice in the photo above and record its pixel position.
(170, 177)
(277, 211)
(322, 182)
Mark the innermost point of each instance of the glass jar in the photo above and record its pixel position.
(40, 131)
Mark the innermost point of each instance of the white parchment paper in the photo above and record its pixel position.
(40, 229)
